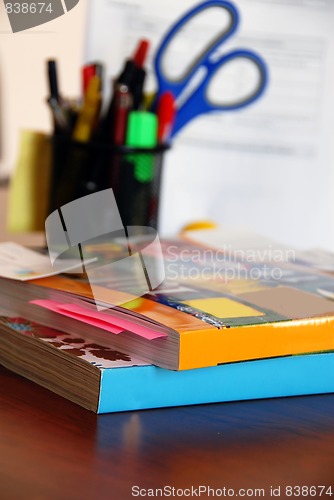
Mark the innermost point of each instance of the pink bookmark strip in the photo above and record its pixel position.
(106, 322)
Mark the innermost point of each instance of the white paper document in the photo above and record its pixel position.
(269, 166)
(23, 264)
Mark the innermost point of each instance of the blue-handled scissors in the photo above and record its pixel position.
(198, 102)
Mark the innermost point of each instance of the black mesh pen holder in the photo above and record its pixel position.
(134, 174)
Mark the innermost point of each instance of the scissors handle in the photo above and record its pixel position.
(198, 102)
(176, 86)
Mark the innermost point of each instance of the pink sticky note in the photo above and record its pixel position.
(100, 320)
(140, 330)
(54, 306)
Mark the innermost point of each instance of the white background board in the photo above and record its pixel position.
(269, 166)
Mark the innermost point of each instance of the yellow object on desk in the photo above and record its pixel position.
(29, 187)
(200, 224)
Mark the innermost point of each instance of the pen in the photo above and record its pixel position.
(166, 114)
(60, 118)
(61, 122)
(137, 84)
(99, 71)
(53, 79)
(88, 115)
(133, 76)
(73, 178)
(129, 72)
(122, 103)
(88, 71)
(122, 107)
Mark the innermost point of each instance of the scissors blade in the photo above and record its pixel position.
(198, 102)
(192, 85)
(176, 86)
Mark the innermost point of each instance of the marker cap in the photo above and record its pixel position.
(142, 129)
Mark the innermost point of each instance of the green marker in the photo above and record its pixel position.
(142, 132)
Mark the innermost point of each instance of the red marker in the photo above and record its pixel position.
(88, 71)
(141, 53)
(166, 114)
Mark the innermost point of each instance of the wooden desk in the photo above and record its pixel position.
(52, 449)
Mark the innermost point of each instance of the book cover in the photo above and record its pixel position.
(210, 309)
(104, 380)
